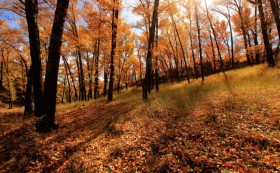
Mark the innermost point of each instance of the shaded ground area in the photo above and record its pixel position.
(198, 128)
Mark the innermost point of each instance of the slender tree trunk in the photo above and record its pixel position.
(89, 69)
(47, 123)
(182, 48)
(82, 79)
(244, 36)
(115, 17)
(105, 83)
(213, 52)
(192, 48)
(63, 91)
(231, 40)
(31, 11)
(215, 38)
(148, 77)
(72, 78)
(256, 42)
(175, 59)
(68, 81)
(199, 43)
(156, 73)
(96, 70)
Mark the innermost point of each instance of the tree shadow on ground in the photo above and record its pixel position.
(23, 150)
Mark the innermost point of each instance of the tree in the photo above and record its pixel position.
(199, 41)
(46, 123)
(227, 15)
(148, 77)
(239, 7)
(31, 10)
(264, 28)
(115, 16)
(276, 13)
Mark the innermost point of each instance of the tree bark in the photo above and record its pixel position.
(47, 123)
(105, 83)
(276, 13)
(72, 78)
(96, 62)
(148, 77)
(268, 49)
(115, 17)
(215, 38)
(199, 42)
(182, 48)
(68, 80)
(31, 10)
(28, 108)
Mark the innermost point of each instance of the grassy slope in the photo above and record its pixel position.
(229, 123)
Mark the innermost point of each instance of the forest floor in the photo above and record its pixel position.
(230, 123)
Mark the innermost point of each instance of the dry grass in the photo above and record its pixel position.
(230, 123)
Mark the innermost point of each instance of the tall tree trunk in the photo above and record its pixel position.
(215, 38)
(115, 17)
(63, 91)
(47, 123)
(182, 48)
(82, 79)
(72, 78)
(268, 49)
(192, 47)
(156, 73)
(96, 70)
(244, 36)
(31, 11)
(89, 69)
(68, 80)
(276, 13)
(213, 52)
(199, 43)
(231, 39)
(148, 76)
(255, 33)
(105, 83)
(175, 59)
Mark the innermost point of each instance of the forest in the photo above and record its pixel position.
(139, 86)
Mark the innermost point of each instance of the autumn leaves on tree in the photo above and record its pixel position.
(87, 49)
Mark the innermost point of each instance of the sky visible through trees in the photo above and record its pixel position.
(89, 76)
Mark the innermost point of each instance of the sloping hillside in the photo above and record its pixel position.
(230, 123)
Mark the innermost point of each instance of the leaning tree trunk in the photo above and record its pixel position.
(181, 46)
(31, 10)
(213, 52)
(115, 17)
(215, 38)
(47, 123)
